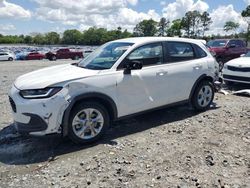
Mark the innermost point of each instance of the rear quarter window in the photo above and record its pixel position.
(180, 51)
(200, 53)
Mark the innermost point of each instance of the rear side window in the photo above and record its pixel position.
(200, 53)
(180, 51)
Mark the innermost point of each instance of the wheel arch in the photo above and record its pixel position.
(199, 80)
(103, 99)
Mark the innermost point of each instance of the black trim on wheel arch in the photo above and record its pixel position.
(91, 96)
(202, 77)
(35, 124)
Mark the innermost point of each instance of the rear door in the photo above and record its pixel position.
(183, 68)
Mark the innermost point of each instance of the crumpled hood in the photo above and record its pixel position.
(52, 75)
(239, 62)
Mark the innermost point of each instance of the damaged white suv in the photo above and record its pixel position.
(121, 78)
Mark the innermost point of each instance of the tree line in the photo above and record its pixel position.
(194, 24)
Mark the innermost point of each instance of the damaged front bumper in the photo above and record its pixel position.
(37, 116)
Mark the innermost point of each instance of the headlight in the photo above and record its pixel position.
(39, 93)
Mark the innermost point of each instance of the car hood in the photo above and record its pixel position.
(52, 75)
(239, 62)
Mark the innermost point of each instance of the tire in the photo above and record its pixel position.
(203, 96)
(10, 59)
(53, 58)
(82, 128)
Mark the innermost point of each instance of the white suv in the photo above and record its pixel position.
(121, 78)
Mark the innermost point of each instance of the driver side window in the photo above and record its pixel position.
(150, 54)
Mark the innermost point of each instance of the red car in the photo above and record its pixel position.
(64, 54)
(35, 56)
(227, 49)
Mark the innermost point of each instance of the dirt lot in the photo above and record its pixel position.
(174, 147)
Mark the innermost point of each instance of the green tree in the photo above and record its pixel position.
(246, 15)
(72, 36)
(163, 26)
(175, 28)
(39, 39)
(231, 26)
(27, 39)
(145, 28)
(186, 23)
(52, 38)
(95, 36)
(126, 34)
(206, 21)
(195, 24)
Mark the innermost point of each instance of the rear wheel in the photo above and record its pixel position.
(203, 96)
(88, 122)
(53, 58)
(10, 59)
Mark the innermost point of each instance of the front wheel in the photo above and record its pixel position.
(203, 96)
(88, 122)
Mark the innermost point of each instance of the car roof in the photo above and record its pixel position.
(142, 40)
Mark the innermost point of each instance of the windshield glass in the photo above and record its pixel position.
(217, 43)
(105, 56)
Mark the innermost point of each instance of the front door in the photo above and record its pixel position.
(142, 89)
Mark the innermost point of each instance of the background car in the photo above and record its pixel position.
(64, 53)
(237, 70)
(21, 55)
(227, 49)
(7, 56)
(35, 56)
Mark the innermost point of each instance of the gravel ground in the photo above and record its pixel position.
(174, 147)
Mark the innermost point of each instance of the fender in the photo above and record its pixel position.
(202, 77)
(108, 102)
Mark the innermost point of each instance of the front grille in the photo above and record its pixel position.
(239, 78)
(13, 105)
(239, 69)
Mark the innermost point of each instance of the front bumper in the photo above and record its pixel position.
(37, 116)
(36, 124)
(236, 76)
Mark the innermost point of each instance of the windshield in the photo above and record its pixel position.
(217, 43)
(105, 56)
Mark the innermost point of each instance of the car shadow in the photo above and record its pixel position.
(23, 150)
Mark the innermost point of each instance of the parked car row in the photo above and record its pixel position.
(38, 53)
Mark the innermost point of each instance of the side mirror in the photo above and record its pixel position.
(132, 65)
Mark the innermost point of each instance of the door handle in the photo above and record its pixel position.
(197, 66)
(161, 73)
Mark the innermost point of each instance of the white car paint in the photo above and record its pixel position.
(238, 70)
(144, 89)
(6, 56)
(52, 75)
